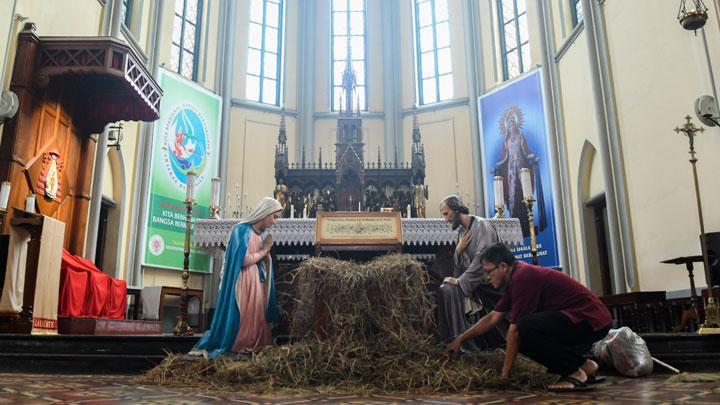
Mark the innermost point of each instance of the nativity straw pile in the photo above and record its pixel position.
(361, 328)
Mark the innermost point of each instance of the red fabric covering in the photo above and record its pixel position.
(117, 300)
(85, 291)
(73, 287)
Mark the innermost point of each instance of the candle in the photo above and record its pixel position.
(4, 194)
(358, 206)
(190, 187)
(238, 201)
(30, 203)
(526, 183)
(408, 211)
(292, 211)
(499, 192)
(215, 192)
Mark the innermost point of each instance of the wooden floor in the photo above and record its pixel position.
(18, 388)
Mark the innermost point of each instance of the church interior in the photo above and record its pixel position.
(135, 135)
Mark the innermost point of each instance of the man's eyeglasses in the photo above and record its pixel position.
(488, 271)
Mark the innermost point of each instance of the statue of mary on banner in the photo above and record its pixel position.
(515, 155)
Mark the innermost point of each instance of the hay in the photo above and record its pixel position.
(694, 378)
(363, 329)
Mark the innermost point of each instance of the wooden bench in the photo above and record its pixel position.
(177, 291)
(643, 312)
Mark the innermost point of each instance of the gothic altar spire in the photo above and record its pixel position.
(282, 134)
(349, 80)
(415, 127)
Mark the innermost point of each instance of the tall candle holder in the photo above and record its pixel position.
(529, 200)
(181, 327)
(690, 130)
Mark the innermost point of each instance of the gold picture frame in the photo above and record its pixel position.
(358, 228)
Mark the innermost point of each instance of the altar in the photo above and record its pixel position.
(294, 239)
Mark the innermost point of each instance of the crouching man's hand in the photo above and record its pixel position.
(454, 346)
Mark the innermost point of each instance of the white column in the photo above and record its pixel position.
(141, 185)
(556, 139)
(475, 75)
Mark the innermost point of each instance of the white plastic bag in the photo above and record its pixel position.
(626, 351)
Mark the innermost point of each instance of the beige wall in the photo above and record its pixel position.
(657, 77)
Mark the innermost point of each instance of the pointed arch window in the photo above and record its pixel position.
(434, 61)
(186, 38)
(577, 11)
(126, 16)
(514, 37)
(348, 25)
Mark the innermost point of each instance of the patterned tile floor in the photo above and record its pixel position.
(110, 389)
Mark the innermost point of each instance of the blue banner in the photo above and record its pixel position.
(514, 136)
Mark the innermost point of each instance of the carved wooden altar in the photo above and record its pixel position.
(351, 182)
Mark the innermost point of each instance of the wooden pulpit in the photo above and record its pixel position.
(34, 258)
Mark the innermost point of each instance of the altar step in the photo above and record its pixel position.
(685, 351)
(104, 326)
(87, 353)
(136, 354)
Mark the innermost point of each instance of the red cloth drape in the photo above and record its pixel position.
(73, 287)
(87, 292)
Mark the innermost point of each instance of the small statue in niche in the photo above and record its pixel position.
(280, 195)
(421, 194)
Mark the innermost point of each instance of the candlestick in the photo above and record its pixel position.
(499, 196)
(216, 191)
(4, 194)
(181, 326)
(531, 222)
(30, 203)
(215, 200)
(190, 186)
(238, 201)
(245, 204)
(228, 206)
(526, 183)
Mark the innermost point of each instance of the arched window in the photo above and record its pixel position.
(264, 51)
(126, 12)
(434, 61)
(514, 37)
(577, 11)
(348, 25)
(186, 38)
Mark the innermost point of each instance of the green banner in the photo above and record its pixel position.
(185, 138)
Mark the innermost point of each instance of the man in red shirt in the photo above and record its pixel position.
(553, 319)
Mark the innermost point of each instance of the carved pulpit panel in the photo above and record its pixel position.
(47, 179)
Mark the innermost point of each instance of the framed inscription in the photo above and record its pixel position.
(358, 228)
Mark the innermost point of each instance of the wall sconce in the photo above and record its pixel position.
(115, 136)
(694, 18)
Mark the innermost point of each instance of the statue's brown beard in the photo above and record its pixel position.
(456, 221)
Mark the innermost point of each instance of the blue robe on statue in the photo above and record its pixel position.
(226, 319)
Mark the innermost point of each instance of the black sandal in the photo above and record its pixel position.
(577, 385)
(595, 379)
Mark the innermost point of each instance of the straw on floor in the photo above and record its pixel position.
(360, 328)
